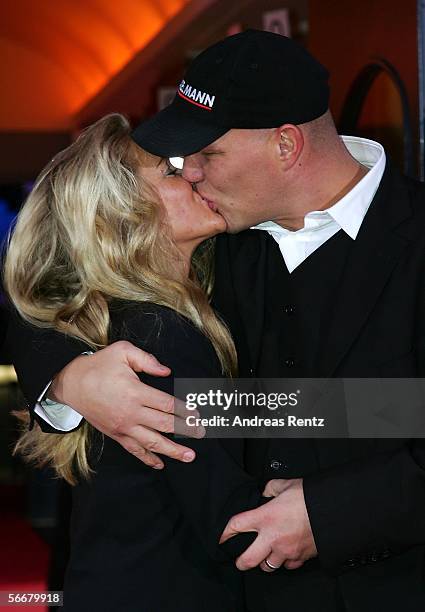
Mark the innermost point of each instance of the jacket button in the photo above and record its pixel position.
(289, 309)
(289, 363)
(275, 464)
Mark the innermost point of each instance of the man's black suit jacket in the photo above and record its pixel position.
(365, 498)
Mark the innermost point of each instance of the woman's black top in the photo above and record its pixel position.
(145, 540)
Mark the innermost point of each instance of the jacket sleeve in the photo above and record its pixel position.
(369, 509)
(38, 355)
(384, 494)
(214, 487)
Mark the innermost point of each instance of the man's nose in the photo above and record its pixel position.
(192, 171)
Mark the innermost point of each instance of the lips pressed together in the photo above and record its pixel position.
(210, 203)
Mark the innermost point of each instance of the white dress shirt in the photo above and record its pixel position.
(347, 215)
(59, 416)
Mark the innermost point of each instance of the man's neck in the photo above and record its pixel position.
(297, 221)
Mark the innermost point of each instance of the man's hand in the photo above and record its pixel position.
(284, 531)
(105, 389)
(275, 487)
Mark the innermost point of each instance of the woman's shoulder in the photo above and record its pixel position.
(144, 318)
(149, 321)
(162, 331)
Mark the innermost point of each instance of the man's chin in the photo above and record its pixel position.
(232, 226)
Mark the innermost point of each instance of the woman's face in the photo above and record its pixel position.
(189, 216)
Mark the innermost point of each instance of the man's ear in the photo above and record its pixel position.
(291, 143)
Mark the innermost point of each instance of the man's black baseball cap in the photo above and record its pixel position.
(254, 79)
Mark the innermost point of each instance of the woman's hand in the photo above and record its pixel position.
(105, 389)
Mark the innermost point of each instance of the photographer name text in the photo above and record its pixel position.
(256, 421)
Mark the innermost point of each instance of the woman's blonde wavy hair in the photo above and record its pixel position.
(90, 231)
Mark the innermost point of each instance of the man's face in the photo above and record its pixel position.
(240, 177)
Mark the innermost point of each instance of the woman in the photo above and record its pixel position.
(103, 250)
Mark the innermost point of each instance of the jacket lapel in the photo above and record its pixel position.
(248, 269)
(376, 251)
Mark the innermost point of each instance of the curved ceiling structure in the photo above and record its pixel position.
(56, 56)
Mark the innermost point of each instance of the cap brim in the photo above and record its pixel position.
(174, 133)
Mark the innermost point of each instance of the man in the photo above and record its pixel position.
(329, 283)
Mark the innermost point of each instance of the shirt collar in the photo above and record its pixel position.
(351, 209)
